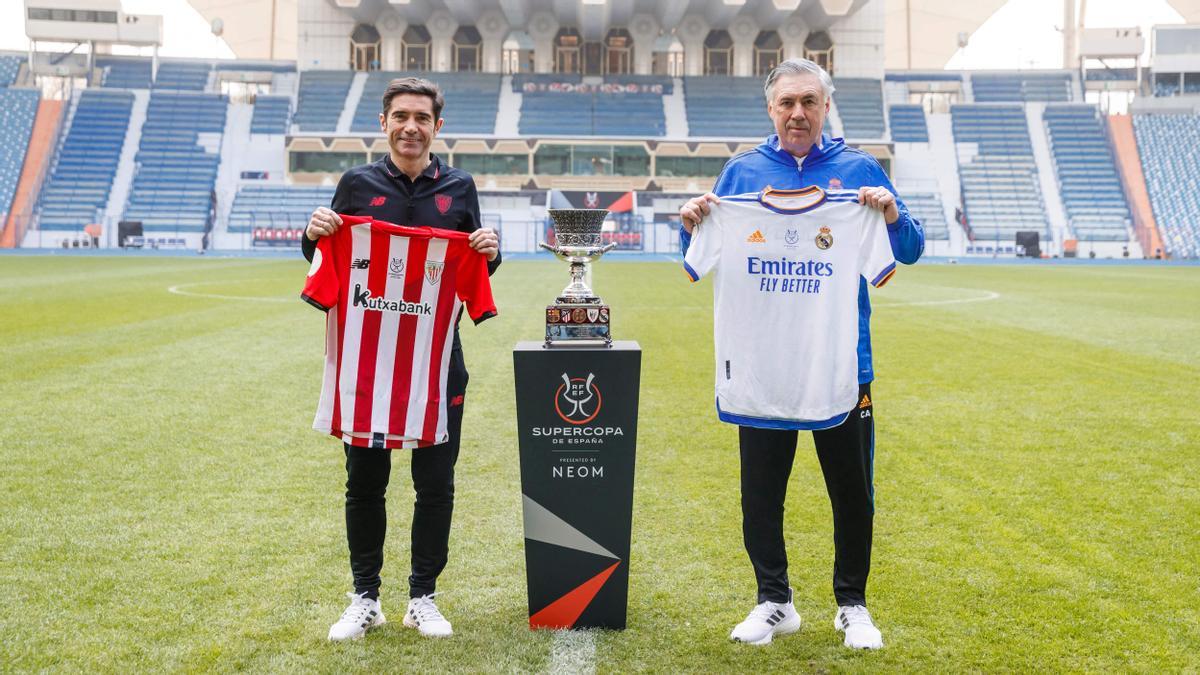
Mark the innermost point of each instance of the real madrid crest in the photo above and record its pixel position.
(824, 238)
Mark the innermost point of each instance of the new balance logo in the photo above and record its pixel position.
(865, 402)
(361, 263)
(756, 238)
(378, 201)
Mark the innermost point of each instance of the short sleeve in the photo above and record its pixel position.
(875, 260)
(321, 286)
(472, 285)
(704, 251)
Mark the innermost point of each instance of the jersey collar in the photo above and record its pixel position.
(432, 172)
(792, 201)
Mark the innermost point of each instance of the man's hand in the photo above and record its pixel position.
(692, 212)
(323, 223)
(486, 242)
(880, 198)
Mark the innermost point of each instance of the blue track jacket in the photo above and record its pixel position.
(832, 165)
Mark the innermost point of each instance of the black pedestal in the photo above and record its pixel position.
(577, 426)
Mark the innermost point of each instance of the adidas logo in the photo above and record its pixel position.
(865, 402)
(756, 238)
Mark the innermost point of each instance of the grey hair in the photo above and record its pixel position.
(798, 67)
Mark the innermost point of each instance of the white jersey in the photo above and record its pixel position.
(786, 267)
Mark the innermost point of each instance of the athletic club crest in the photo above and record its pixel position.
(593, 313)
(433, 270)
(824, 238)
(442, 202)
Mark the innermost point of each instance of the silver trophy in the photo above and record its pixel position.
(577, 313)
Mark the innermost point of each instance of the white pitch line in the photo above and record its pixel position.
(178, 290)
(989, 295)
(573, 652)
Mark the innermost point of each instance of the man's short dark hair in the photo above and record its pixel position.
(418, 86)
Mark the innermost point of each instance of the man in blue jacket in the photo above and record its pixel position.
(800, 154)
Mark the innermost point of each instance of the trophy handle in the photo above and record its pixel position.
(608, 247)
(548, 247)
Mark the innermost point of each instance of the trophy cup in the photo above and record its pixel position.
(577, 314)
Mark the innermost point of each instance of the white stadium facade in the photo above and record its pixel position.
(628, 104)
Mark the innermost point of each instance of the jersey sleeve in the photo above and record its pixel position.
(321, 286)
(473, 286)
(875, 260)
(704, 250)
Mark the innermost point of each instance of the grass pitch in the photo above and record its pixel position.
(165, 505)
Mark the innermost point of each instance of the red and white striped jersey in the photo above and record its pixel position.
(397, 292)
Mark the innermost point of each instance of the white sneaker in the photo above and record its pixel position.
(766, 621)
(362, 615)
(423, 615)
(855, 622)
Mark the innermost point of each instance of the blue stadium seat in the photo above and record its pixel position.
(271, 115)
(9, 66)
(81, 177)
(860, 107)
(908, 124)
(592, 113)
(1169, 146)
(182, 75)
(1087, 177)
(276, 206)
(927, 208)
(322, 97)
(18, 107)
(125, 72)
(173, 187)
(472, 101)
(1021, 87)
(1000, 189)
(722, 107)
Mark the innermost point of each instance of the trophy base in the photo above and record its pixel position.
(577, 322)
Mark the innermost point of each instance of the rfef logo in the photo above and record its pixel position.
(577, 400)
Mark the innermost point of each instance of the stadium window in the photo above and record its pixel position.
(106, 17)
(630, 160)
(467, 49)
(415, 47)
(37, 14)
(364, 47)
(517, 53)
(718, 53)
(325, 162)
(689, 167)
(552, 160)
(818, 47)
(566, 51)
(61, 15)
(768, 52)
(618, 48)
(478, 164)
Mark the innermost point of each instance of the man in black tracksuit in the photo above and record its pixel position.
(408, 186)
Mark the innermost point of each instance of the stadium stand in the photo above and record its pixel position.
(908, 123)
(592, 113)
(860, 107)
(322, 96)
(1025, 86)
(18, 107)
(723, 107)
(9, 67)
(182, 75)
(275, 206)
(999, 184)
(927, 208)
(125, 73)
(1087, 177)
(82, 175)
(1170, 150)
(173, 188)
(271, 115)
(472, 101)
